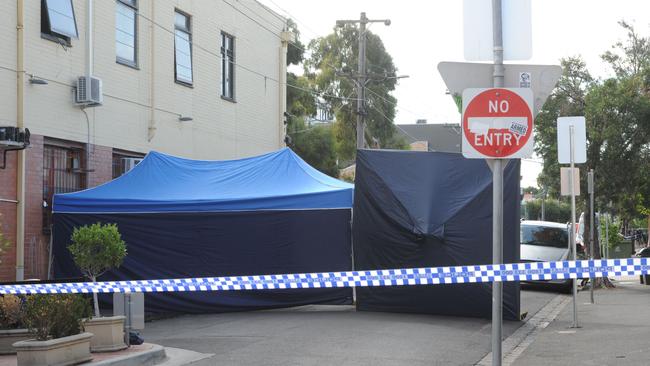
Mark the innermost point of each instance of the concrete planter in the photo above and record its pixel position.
(63, 351)
(108, 333)
(10, 336)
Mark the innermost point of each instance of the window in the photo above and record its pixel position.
(123, 161)
(58, 21)
(544, 236)
(183, 48)
(227, 66)
(126, 34)
(62, 173)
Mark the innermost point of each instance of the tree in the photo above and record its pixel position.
(336, 54)
(617, 111)
(316, 144)
(96, 249)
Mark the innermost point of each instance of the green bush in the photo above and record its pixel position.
(555, 211)
(614, 229)
(11, 312)
(55, 316)
(96, 249)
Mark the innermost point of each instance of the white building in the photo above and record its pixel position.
(202, 79)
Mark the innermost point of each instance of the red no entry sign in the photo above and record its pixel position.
(497, 123)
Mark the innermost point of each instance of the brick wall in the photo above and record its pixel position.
(37, 243)
(8, 217)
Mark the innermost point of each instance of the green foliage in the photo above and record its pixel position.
(55, 316)
(300, 101)
(97, 248)
(337, 53)
(315, 145)
(296, 50)
(555, 211)
(11, 312)
(617, 111)
(614, 230)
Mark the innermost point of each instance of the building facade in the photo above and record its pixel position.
(193, 78)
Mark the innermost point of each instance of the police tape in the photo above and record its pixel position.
(531, 271)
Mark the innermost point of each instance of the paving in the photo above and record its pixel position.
(140, 355)
(318, 335)
(615, 330)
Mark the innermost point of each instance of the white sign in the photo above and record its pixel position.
(497, 123)
(516, 30)
(579, 140)
(459, 76)
(565, 182)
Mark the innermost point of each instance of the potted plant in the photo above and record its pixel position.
(55, 322)
(11, 323)
(95, 249)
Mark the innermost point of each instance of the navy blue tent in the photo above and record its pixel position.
(181, 218)
(425, 209)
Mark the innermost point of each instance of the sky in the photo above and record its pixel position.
(425, 32)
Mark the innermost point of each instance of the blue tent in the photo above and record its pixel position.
(268, 214)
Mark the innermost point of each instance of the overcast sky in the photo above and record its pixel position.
(426, 32)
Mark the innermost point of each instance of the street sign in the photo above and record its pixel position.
(516, 30)
(459, 76)
(565, 182)
(497, 123)
(579, 140)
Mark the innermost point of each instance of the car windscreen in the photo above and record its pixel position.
(544, 236)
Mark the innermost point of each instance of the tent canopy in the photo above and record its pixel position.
(163, 183)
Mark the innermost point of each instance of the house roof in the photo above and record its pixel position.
(440, 137)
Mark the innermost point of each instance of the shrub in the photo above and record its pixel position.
(96, 249)
(55, 316)
(11, 312)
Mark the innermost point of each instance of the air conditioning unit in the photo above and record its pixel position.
(88, 91)
(130, 163)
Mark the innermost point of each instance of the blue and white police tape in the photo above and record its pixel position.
(532, 271)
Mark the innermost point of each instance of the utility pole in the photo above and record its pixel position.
(361, 77)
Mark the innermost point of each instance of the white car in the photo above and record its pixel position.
(544, 241)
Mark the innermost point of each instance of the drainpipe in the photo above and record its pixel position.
(151, 131)
(89, 73)
(285, 38)
(20, 123)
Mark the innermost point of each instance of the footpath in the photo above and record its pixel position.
(615, 330)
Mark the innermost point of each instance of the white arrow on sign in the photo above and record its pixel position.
(459, 76)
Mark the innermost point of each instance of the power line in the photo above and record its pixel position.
(198, 46)
(396, 125)
(252, 11)
(303, 24)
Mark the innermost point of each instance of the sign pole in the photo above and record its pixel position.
(592, 218)
(574, 249)
(497, 195)
(606, 249)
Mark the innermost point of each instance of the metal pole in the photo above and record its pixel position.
(606, 236)
(543, 206)
(497, 195)
(573, 223)
(361, 82)
(592, 218)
